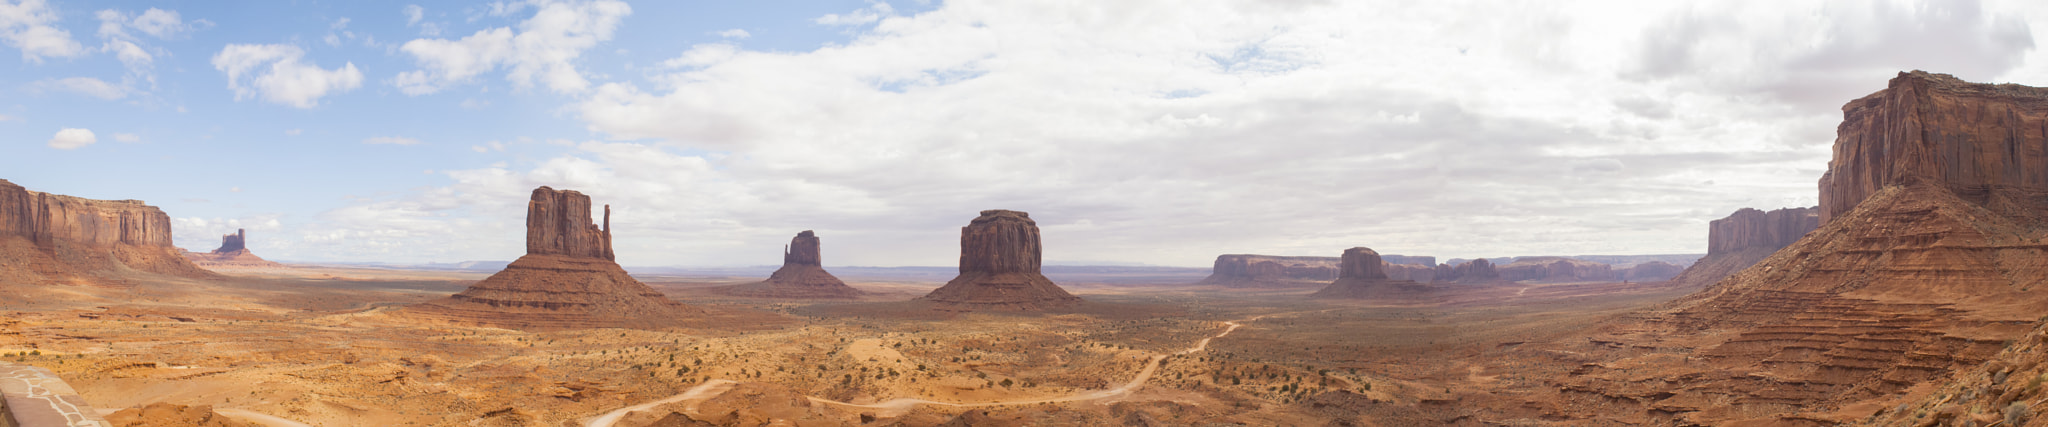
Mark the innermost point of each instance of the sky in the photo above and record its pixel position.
(1134, 132)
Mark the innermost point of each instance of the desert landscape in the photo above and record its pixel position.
(566, 213)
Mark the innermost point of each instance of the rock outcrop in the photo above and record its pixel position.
(1744, 238)
(56, 239)
(1474, 271)
(999, 268)
(233, 253)
(1556, 269)
(1926, 264)
(802, 275)
(567, 279)
(1981, 141)
(1362, 275)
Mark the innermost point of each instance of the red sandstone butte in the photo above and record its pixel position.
(233, 253)
(1478, 270)
(55, 239)
(1362, 275)
(802, 275)
(1982, 141)
(566, 280)
(999, 261)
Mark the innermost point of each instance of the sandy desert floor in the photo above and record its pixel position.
(317, 346)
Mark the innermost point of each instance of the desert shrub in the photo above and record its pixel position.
(2015, 414)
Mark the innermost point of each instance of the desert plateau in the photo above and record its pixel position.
(569, 213)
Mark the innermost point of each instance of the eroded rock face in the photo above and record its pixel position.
(558, 223)
(1652, 271)
(1980, 140)
(1362, 275)
(567, 280)
(999, 268)
(802, 275)
(50, 238)
(233, 242)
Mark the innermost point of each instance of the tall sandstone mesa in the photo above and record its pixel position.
(999, 268)
(566, 280)
(802, 275)
(56, 239)
(1927, 263)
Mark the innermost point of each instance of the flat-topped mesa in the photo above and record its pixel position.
(802, 275)
(1979, 140)
(1556, 269)
(558, 223)
(1270, 271)
(1362, 275)
(63, 239)
(999, 261)
(566, 280)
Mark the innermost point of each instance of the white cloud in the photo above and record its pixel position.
(413, 14)
(28, 25)
(392, 140)
(543, 48)
(159, 23)
(127, 137)
(86, 86)
(7, 118)
(273, 72)
(868, 15)
(165, 24)
(1171, 131)
(734, 34)
(294, 132)
(72, 138)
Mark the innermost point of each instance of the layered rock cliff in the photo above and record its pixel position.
(1927, 263)
(567, 279)
(1982, 141)
(49, 238)
(802, 275)
(999, 268)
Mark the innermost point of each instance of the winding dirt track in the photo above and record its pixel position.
(894, 407)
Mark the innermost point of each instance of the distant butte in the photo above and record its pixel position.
(55, 239)
(1362, 275)
(233, 253)
(802, 275)
(566, 280)
(999, 268)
